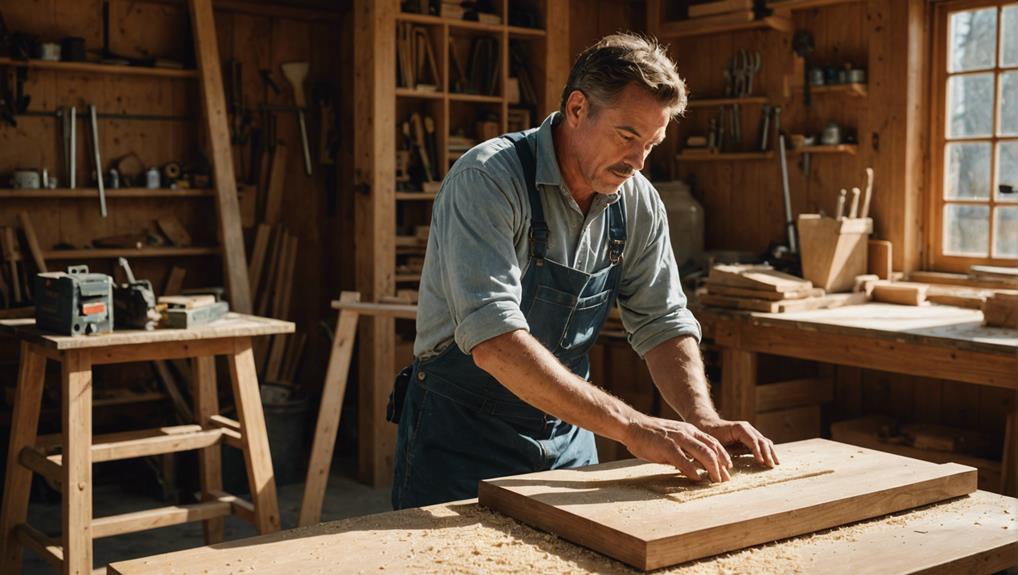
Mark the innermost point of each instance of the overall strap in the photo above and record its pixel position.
(616, 231)
(538, 226)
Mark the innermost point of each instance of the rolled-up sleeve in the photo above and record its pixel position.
(651, 300)
(473, 230)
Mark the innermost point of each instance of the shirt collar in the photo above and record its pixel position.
(548, 173)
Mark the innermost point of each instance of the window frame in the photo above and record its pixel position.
(936, 258)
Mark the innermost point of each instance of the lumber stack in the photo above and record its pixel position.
(759, 287)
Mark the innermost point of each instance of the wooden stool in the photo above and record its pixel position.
(71, 469)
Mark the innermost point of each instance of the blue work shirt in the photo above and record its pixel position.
(478, 251)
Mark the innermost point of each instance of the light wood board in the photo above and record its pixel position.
(649, 516)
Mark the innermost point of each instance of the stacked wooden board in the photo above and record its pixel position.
(1001, 309)
(649, 516)
(759, 287)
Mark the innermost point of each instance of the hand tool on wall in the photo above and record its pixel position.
(865, 212)
(765, 127)
(98, 160)
(296, 73)
(839, 211)
(789, 222)
(853, 211)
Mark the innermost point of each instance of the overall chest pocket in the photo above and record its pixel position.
(562, 320)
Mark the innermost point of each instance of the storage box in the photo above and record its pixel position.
(834, 251)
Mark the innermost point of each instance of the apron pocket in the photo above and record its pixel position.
(585, 322)
(548, 315)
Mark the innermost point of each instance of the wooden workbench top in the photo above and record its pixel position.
(233, 325)
(972, 534)
(928, 324)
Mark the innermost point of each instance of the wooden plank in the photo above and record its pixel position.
(76, 502)
(257, 458)
(214, 105)
(261, 246)
(398, 311)
(23, 430)
(205, 395)
(648, 516)
(33, 241)
(45, 546)
(333, 391)
(45, 466)
(760, 277)
(277, 182)
(793, 393)
(160, 517)
(147, 442)
(968, 535)
(721, 289)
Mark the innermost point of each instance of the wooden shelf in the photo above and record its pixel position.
(850, 149)
(724, 157)
(91, 68)
(93, 193)
(804, 4)
(415, 196)
(407, 278)
(691, 27)
(410, 242)
(454, 97)
(103, 253)
(856, 90)
(422, 94)
(428, 19)
(713, 102)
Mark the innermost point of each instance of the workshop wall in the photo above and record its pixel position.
(317, 209)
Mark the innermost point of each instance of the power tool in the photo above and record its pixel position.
(74, 303)
(134, 302)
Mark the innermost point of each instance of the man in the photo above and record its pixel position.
(534, 237)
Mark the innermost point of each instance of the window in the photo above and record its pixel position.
(974, 135)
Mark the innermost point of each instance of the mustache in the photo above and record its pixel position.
(622, 170)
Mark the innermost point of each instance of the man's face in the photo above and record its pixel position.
(612, 144)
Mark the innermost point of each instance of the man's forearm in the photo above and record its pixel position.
(677, 369)
(535, 375)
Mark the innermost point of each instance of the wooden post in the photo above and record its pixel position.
(18, 482)
(214, 103)
(333, 391)
(256, 442)
(76, 408)
(557, 56)
(206, 404)
(738, 384)
(375, 225)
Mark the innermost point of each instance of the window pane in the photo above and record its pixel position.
(1005, 232)
(1007, 170)
(970, 105)
(966, 229)
(1009, 42)
(973, 40)
(967, 171)
(1009, 104)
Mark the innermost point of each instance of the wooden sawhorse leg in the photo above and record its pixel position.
(18, 482)
(76, 411)
(336, 376)
(256, 442)
(206, 404)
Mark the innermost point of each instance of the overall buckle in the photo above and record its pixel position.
(615, 248)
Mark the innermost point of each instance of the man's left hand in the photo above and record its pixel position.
(743, 433)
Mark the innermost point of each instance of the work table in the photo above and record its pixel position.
(976, 534)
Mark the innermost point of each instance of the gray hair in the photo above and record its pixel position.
(603, 70)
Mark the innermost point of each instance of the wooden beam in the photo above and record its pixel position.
(333, 391)
(76, 504)
(738, 384)
(231, 236)
(47, 547)
(793, 393)
(205, 397)
(374, 28)
(38, 462)
(161, 517)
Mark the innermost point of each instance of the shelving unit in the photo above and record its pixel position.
(714, 102)
(855, 90)
(850, 149)
(805, 4)
(92, 193)
(104, 253)
(693, 27)
(94, 68)
(382, 103)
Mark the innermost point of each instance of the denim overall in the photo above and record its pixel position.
(459, 425)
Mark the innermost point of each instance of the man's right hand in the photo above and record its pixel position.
(680, 444)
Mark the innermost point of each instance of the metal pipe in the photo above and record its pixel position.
(98, 161)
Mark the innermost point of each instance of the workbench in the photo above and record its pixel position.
(972, 534)
(936, 341)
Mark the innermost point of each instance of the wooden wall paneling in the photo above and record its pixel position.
(961, 405)
(149, 30)
(928, 401)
